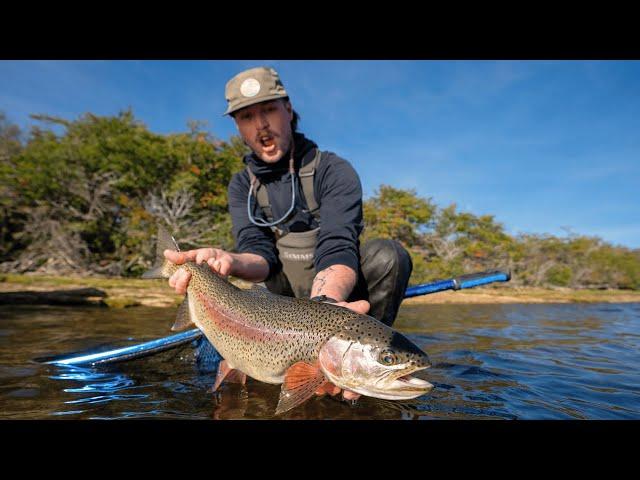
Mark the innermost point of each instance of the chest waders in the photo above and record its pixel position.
(296, 250)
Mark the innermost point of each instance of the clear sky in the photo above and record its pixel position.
(542, 145)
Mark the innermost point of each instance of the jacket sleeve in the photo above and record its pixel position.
(340, 198)
(248, 237)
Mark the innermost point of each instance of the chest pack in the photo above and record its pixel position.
(306, 176)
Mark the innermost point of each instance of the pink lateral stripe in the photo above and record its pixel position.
(228, 323)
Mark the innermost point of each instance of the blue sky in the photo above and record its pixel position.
(542, 145)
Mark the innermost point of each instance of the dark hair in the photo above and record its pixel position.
(296, 117)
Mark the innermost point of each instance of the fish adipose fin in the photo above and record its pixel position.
(165, 242)
(300, 383)
(228, 374)
(183, 317)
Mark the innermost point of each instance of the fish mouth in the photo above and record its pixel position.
(412, 381)
(411, 385)
(404, 387)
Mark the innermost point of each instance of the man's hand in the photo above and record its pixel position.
(220, 261)
(359, 306)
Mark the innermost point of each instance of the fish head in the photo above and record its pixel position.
(370, 358)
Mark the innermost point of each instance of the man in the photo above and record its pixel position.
(297, 214)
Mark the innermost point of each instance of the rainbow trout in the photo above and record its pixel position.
(299, 343)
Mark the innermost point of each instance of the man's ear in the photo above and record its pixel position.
(287, 105)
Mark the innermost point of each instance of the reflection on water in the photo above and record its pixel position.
(489, 362)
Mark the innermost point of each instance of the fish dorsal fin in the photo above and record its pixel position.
(183, 317)
(300, 383)
(164, 242)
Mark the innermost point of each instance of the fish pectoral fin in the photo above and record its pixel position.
(229, 374)
(301, 381)
(183, 317)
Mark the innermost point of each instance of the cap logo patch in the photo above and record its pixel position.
(250, 87)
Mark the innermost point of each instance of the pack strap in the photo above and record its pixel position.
(306, 175)
(261, 195)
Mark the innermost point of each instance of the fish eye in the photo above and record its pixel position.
(387, 357)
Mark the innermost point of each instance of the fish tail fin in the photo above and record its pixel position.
(165, 242)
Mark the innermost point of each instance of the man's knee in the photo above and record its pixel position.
(386, 252)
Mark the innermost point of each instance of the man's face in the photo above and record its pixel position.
(266, 128)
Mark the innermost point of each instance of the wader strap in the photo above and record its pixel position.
(261, 195)
(306, 175)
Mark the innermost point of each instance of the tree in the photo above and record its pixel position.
(11, 219)
(92, 188)
(84, 196)
(398, 214)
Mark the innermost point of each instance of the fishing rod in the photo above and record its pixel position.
(173, 341)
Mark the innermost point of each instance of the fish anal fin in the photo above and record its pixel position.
(301, 381)
(228, 374)
(183, 317)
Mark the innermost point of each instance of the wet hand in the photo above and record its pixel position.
(220, 261)
(359, 306)
(333, 390)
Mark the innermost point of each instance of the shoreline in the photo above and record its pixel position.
(125, 292)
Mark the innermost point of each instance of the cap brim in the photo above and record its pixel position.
(253, 101)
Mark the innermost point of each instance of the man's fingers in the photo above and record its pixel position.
(224, 266)
(173, 256)
(205, 254)
(328, 388)
(360, 306)
(349, 395)
(180, 257)
(176, 277)
(172, 279)
(182, 281)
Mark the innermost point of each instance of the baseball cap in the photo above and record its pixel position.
(252, 86)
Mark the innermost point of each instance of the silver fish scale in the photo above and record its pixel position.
(269, 333)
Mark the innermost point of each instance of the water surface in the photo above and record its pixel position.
(518, 361)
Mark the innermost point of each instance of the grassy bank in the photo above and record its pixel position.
(126, 292)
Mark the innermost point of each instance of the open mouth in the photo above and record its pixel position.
(268, 143)
(404, 387)
(413, 382)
